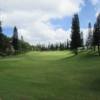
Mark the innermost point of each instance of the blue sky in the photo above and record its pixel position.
(86, 15)
(8, 31)
(46, 21)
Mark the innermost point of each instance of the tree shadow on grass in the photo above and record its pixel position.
(81, 56)
(95, 85)
(69, 57)
(84, 55)
(89, 56)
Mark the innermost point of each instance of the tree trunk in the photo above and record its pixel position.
(76, 51)
(99, 49)
(94, 48)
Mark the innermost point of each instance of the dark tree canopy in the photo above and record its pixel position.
(12, 45)
(3, 40)
(96, 34)
(0, 28)
(75, 38)
(15, 41)
(90, 36)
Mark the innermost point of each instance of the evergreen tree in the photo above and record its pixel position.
(0, 28)
(90, 36)
(15, 41)
(75, 38)
(96, 34)
(2, 39)
(82, 39)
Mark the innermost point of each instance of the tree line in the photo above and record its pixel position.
(12, 45)
(76, 41)
(51, 47)
(93, 40)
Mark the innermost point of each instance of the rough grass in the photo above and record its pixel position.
(50, 76)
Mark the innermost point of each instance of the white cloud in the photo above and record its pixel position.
(96, 4)
(32, 17)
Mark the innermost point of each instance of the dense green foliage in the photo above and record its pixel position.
(96, 34)
(51, 47)
(15, 40)
(12, 45)
(89, 41)
(3, 40)
(50, 76)
(76, 37)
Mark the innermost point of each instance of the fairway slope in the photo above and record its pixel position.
(50, 76)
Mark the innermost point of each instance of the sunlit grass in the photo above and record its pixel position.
(50, 76)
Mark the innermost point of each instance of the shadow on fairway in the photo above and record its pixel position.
(68, 58)
(89, 56)
(95, 85)
(90, 63)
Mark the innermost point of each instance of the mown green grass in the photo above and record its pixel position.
(50, 76)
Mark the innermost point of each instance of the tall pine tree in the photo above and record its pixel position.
(90, 36)
(96, 34)
(75, 38)
(1, 39)
(15, 41)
